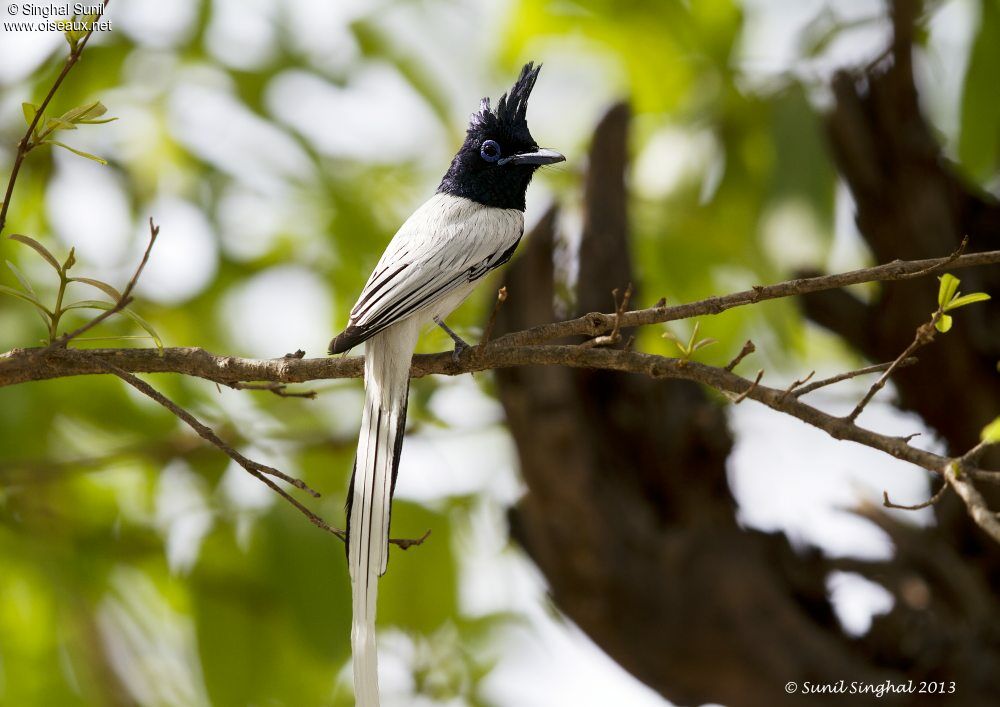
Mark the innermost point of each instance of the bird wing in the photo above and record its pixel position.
(447, 243)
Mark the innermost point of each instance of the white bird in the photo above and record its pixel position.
(469, 227)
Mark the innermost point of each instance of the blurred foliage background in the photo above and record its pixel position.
(279, 145)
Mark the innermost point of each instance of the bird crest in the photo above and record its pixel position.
(510, 116)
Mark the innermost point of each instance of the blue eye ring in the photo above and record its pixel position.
(489, 150)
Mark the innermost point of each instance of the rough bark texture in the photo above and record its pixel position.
(629, 514)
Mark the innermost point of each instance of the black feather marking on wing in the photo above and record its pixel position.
(368, 294)
(396, 451)
(400, 309)
(348, 339)
(492, 263)
(349, 506)
(356, 334)
(370, 502)
(409, 302)
(417, 299)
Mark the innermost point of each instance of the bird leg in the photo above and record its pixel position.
(460, 343)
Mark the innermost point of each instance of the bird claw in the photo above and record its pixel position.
(460, 344)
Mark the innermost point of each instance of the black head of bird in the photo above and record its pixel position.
(499, 156)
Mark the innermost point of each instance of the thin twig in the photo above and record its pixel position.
(620, 308)
(279, 389)
(916, 507)
(947, 261)
(975, 504)
(204, 431)
(972, 457)
(24, 145)
(968, 461)
(748, 348)
(743, 396)
(256, 469)
(795, 384)
(924, 335)
(852, 374)
(123, 300)
(406, 544)
(488, 331)
(990, 477)
(597, 323)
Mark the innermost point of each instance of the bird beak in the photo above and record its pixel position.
(540, 156)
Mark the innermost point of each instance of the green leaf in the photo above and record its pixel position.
(75, 114)
(53, 124)
(89, 304)
(76, 151)
(39, 248)
(22, 278)
(70, 260)
(30, 109)
(26, 284)
(89, 114)
(943, 324)
(146, 326)
(947, 289)
(93, 116)
(73, 36)
(966, 299)
(991, 433)
(31, 299)
(101, 304)
(102, 286)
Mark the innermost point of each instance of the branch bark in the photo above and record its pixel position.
(34, 364)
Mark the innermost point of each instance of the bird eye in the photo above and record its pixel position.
(489, 151)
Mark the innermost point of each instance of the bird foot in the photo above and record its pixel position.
(460, 344)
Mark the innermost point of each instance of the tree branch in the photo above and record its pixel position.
(924, 336)
(33, 364)
(24, 145)
(975, 504)
(938, 495)
(877, 368)
(596, 324)
(23, 365)
(38, 364)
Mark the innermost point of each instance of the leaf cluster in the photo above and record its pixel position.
(51, 316)
(950, 299)
(87, 114)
